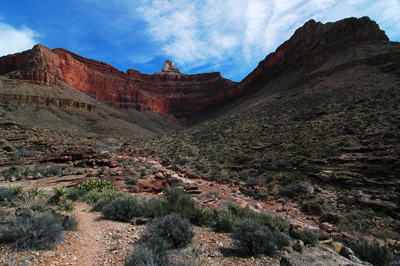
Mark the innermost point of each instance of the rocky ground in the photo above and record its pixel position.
(45, 159)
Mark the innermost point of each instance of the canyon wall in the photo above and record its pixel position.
(170, 92)
(166, 92)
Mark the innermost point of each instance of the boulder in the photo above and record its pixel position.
(298, 245)
(318, 256)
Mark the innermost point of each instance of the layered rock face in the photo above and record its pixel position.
(170, 92)
(311, 45)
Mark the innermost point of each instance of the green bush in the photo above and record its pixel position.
(35, 203)
(174, 229)
(372, 252)
(91, 197)
(39, 231)
(150, 251)
(123, 209)
(17, 190)
(99, 205)
(75, 194)
(155, 207)
(96, 185)
(200, 216)
(312, 207)
(67, 205)
(6, 195)
(309, 237)
(224, 221)
(36, 191)
(275, 223)
(94, 196)
(69, 223)
(254, 239)
(177, 201)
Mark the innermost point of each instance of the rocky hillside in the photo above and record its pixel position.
(330, 119)
(310, 46)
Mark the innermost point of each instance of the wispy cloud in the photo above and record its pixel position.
(195, 33)
(14, 40)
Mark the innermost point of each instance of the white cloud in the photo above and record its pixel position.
(140, 59)
(239, 33)
(14, 40)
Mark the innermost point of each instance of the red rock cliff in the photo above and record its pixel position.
(166, 92)
(171, 92)
(312, 44)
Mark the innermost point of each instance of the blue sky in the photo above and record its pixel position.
(230, 36)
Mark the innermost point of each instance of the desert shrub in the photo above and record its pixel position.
(241, 213)
(91, 197)
(18, 172)
(59, 193)
(96, 185)
(123, 209)
(281, 239)
(174, 229)
(39, 231)
(200, 216)
(131, 181)
(177, 201)
(69, 223)
(67, 205)
(309, 237)
(94, 196)
(36, 204)
(386, 234)
(332, 217)
(99, 205)
(275, 223)
(75, 194)
(224, 221)
(17, 190)
(155, 207)
(372, 252)
(312, 207)
(36, 191)
(6, 195)
(110, 194)
(254, 239)
(53, 170)
(150, 251)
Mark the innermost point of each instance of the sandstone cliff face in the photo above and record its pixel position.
(311, 45)
(166, 92)
(170, 92)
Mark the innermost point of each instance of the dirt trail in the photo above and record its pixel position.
(90, 232)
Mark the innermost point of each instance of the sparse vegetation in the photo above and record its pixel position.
(372, 252)
(254, 239)
(173, 229)
(122, 209)
(39, 231)
(96, 185)
(6, 195)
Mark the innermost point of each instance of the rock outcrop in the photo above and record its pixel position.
(311, 45)
(319, 256)
(169, 68)
(170, 92)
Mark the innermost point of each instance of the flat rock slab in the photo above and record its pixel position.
(318, 256)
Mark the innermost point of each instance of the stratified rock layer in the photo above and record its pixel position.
(167, 92)
(311, 45)
(170, 92)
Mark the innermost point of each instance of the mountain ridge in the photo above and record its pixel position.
(190, 99)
